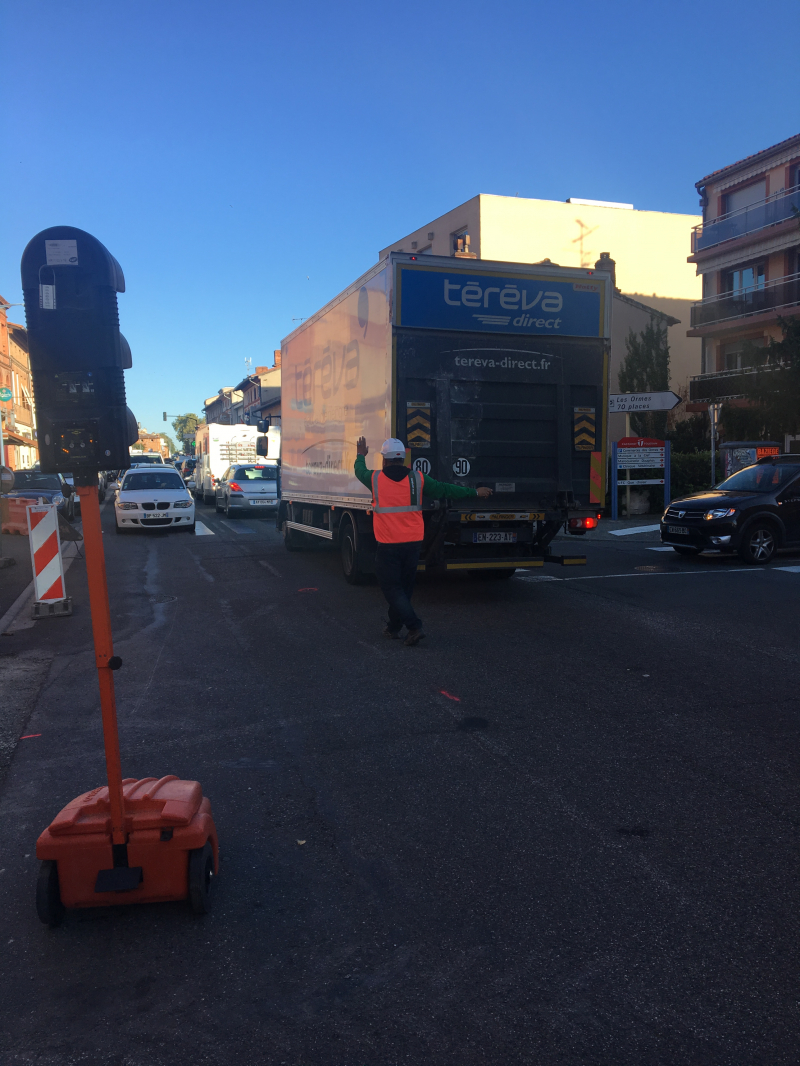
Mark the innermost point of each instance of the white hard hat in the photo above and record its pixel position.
(393, 449)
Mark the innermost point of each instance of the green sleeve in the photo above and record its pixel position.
(361, 472)
(440, 490)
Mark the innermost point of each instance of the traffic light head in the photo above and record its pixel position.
(70, 283)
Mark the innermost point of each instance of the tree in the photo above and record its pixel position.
(185, 427)
(645, 368)
(170, 442)
(773, 387)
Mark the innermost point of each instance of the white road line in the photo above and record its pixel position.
(202, 531)
(787, 569)
(666, 573)
(267, 566)
(661, 549)
(636, 529)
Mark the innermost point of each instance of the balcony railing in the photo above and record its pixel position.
(724, 385)
(781, 293)
(749, 219)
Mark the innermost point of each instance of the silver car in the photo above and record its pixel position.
(251, 487)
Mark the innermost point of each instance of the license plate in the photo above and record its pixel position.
(154, 514)
(261, 503)
(494, 538)
(683, 530)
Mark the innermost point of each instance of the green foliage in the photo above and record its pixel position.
(691, 472)
(774, 388)
(645, 368)
(691, 434)
(185, 426)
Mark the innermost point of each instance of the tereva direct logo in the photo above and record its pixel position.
(509, 298)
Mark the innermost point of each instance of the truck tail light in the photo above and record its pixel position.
(583, 523)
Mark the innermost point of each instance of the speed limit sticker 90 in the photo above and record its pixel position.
(461, 467)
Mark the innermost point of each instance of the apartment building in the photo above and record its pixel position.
(261, 394)
(18, 414)
(224, 407)
(747, 252)
(645, 250)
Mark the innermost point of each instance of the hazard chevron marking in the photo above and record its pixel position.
(420, 420)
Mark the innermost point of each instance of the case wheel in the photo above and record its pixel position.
(201, 878)
(48, 897)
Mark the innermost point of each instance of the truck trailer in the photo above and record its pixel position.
(491, 373)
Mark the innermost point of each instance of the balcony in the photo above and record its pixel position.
(724, 385)
(774, 296)
(757, 216)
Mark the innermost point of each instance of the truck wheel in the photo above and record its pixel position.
(201, 878)
(48, 897)
(349, 553)
(759, 543)
(291, 539)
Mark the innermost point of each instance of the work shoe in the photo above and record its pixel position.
(393, 634)
(414, 637)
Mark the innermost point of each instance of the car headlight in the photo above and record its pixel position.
(719, 512)
(58, 499)
(124, 506)
(183, 503)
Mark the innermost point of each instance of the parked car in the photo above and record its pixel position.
(754, 512)
(248, 487)
(53, 488)
(153, 499)
(187, 468)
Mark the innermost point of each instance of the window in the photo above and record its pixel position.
(741, 198)
(460, 240)
(257, 473)
(741, 353)
(744, 278)
(140, 480)
(794, 176)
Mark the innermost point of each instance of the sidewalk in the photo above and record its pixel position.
(13, 579)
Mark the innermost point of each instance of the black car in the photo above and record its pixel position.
(753, 512)
(52, 488)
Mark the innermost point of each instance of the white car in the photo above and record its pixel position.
(153, 499)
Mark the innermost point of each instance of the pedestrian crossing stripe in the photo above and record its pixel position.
(418, 424)
(584, 430)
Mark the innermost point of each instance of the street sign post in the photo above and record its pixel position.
(626, 402)
(639, 453)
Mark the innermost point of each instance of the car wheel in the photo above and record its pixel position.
(759, 543)
(217, 508)
(201, 878)
(190, 528)
(685, 551)
(48, 896)
(119, 528)
(227, 508)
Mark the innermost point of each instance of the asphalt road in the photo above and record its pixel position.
(560, 831)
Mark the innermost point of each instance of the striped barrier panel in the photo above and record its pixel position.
(48, 571)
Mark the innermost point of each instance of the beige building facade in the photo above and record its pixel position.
(648, 248)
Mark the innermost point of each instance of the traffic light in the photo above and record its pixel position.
(70, 283)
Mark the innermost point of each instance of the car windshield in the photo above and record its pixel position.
(766, 478)
(140, 480)
(29, 479)
(140, 459)
(256, 473)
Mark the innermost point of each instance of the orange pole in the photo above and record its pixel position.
(104, 652)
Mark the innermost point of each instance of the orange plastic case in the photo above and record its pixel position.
(165, 819)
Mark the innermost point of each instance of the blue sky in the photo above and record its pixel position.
(245, 161)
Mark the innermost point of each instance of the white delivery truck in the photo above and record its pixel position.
(216, 448)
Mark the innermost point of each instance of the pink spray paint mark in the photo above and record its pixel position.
(29, 736)
(456, 698)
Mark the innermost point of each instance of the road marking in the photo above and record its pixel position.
(787, 569)
(538, 577)
(636, 529)
(661, 549)
(236, 527)
(673, 573)
(201, 530)
(267, 566)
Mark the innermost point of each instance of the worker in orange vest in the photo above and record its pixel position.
(397, 522)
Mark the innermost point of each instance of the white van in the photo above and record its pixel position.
(216, 448)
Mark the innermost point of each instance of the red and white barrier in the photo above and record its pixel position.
(48, 571)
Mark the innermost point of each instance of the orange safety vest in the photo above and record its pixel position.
(397, 508)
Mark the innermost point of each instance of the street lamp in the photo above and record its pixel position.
(714, 411)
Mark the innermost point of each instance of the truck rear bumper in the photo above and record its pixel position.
(484, 564)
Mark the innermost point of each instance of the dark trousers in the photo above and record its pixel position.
(396, 569)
